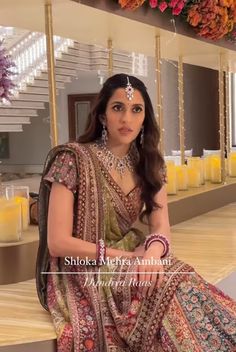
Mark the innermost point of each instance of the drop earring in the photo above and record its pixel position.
(142, 136)
(104, 133)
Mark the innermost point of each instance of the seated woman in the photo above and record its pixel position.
(108, 286)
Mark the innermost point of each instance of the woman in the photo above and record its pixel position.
(108, 287)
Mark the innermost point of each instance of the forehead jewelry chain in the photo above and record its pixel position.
(129, 90)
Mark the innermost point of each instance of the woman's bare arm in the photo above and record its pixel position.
(159, 219)
(60, 226)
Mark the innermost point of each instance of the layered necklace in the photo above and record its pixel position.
(111, 161)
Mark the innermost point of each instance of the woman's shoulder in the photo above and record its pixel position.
(73, 147)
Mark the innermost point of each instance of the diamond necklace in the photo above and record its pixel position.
(111, 161)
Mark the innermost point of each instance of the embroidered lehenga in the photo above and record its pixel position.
(185, 314)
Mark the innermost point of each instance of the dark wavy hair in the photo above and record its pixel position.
(151, 162)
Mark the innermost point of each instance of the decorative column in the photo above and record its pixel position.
(227, 111)
(222, 117)
(51, 73)
(159, 95)
(181, 109)
(110, 57)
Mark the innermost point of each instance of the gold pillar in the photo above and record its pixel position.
(227, 111)
(181, 108)
(51, 73)
(110, 57)
(222, 116)
(159, 95)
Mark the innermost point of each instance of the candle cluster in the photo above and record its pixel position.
(197, 171)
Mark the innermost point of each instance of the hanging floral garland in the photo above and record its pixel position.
(6, 83)
(176, 6)
(211, 19)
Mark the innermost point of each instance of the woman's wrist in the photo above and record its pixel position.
(158, 247)
(158, 239)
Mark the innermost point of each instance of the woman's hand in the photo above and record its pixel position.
(139, 251)
(148, 272)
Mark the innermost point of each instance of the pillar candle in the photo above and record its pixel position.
(207, 167)
(232, 165)
(24, 202)
(10, 221)
(193, 177)
(182, 177)
(171, 179)
(215, 169)
(197, 163)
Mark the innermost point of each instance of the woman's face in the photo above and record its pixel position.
(124, 118)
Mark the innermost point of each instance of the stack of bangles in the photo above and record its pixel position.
(101, 252)
(154, 237)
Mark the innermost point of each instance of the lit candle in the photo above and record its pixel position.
(197, 163)
(215, 169)
(24, 202)
(232, 165)
(10, 221)
(171, 179)
(182, 177)
(193, 177)
(207, 167)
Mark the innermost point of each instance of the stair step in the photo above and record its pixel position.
(17, 112)
(77, 53)
(14, 120)
(75, 59)
(28, 104)
(34, 97)
(82, 46)
(64, 71)
(36, 90)
(44, 83)
(59, 78)
(11, 128)
(67, 64)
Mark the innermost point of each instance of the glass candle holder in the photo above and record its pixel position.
(207, 167)
(20, 195)
(197, 163)
(232, 165)
(182, 177)
(193, 177)
(215, 169)
(171, 179)
(10, 221)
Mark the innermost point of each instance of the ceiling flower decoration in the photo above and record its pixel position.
(131, 4)
(211, 19)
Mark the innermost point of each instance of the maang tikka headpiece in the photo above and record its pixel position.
(129, 90)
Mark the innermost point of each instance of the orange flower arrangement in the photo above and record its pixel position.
(131, 4)
(212, 19)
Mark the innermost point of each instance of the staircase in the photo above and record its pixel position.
(28, 50)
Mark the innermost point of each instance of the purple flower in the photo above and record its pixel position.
(6, 83)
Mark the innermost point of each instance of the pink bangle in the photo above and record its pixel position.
(154, 237)
(101, 252)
